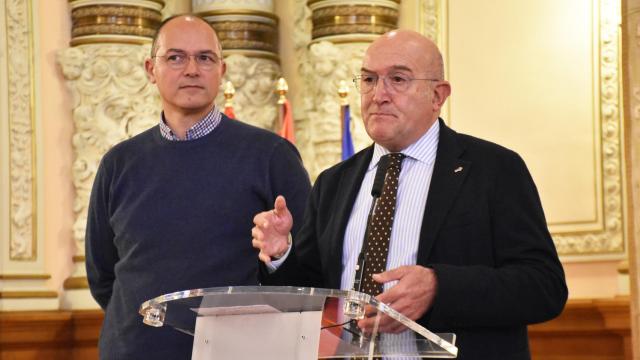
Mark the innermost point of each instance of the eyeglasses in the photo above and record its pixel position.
(178, 61)
(397, 82)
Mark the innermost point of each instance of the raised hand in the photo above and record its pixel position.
(271, 231)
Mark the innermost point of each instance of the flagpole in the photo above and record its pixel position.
(345, 121)
(281, 89)
(286, 115)
(343, 92)
(229, 91)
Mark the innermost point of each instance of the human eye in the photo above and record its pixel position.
(175, 58)
(206, 59)
(399, 79)
(368, 78)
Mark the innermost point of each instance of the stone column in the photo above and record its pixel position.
(631, 63)
(248, 31)
(339, 34)
(112, 100)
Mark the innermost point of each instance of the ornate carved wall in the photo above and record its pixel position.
(112, 100)
(22, 272)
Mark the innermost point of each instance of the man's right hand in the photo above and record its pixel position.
(271, 231)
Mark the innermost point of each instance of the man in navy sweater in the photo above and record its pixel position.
(170, 208)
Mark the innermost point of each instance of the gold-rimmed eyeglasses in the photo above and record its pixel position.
(179, 60)
(397, 82)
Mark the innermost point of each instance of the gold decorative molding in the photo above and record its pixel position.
(245, 30)
(253, 54)
(159, 2)
(314, 2)
(258, 13)
(330, 20)
(22, 161)
(610, 240)
(76, 283)
(247, 35)
(623, 267)
(24, 277)
(28, 294)
(110, 39)
(93, 20)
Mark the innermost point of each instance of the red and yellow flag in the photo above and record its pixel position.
(286, 131)
(286, 115)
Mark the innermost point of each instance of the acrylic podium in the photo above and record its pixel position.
(263, 322)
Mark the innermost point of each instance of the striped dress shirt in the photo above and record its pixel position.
(413, 187)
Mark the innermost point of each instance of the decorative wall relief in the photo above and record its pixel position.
(429, 12)
(112, 101)
(22, 162)
(254, 81)
(611, 239)
(327, 65)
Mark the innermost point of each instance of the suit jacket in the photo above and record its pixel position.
(483, 232)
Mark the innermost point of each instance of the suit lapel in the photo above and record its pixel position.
(449, 173)
(346, 193)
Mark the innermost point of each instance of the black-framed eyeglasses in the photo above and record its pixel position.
(178, 60)
(399, 83)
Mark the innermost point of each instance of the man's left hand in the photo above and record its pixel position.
(412, 296)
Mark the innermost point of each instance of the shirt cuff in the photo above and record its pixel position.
(275, 264)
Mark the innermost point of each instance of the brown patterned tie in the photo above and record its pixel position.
(379, 232)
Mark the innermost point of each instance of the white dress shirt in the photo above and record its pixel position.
(413, 187)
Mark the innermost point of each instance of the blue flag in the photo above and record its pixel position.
(347, 142)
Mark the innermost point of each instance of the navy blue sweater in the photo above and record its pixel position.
(166, 216)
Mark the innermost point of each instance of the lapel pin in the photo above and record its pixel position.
(458, 169)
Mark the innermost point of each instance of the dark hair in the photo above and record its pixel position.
(154, 43)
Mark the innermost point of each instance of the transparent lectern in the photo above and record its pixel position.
(264, 322)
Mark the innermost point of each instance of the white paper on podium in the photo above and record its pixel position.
(250, 335)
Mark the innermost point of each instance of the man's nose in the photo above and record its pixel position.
(192, 66)
(381, 90)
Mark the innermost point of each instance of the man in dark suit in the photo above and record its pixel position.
(469, 251)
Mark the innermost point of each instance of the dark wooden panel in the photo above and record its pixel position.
(26, 335)
(586, 330)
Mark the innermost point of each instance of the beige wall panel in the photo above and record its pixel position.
(57, 128)
(527, 82)
(528, 77)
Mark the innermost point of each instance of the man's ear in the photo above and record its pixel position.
(441, 92)
(149, 66)
(224, 69)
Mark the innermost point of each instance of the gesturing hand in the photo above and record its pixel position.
(271, 231)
